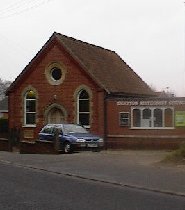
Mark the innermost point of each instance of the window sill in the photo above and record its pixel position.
(152, 128)
(86, 126)
(29, 126)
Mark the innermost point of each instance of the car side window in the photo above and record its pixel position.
(48, 130)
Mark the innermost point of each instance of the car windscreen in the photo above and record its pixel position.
(74, 129)
(48, 129)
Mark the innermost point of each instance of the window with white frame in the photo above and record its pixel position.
(30, 108)
(152, 117)
(55, 73)
(83, 108)
(124, 119)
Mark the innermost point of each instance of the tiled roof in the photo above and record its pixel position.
(104, 66)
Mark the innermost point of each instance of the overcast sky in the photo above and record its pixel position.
(147, 34)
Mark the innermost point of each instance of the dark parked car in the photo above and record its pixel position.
(71, 137)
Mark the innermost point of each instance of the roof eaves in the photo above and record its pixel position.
(126, 94)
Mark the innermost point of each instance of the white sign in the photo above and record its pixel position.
(150, 103)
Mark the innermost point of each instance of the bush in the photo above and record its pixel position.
(3, 125)
(177, 155)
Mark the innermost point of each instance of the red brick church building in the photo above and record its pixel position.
(77, 82)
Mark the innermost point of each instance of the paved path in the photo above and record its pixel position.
(138, 169)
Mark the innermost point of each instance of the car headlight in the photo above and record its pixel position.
(80, 140)
(100, 140)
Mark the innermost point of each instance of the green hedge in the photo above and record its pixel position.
(3, 125)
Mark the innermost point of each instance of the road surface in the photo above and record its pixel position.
(24, 188)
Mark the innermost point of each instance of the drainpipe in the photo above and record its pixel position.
(105, 120)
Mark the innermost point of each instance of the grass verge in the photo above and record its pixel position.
(177, 156)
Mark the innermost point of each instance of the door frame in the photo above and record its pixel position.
(52, 106)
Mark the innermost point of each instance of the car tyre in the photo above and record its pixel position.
(96, 149)
(67, 148)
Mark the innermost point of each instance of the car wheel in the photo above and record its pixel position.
(67, 148)
(96, 150)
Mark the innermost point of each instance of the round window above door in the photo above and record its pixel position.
(55, 73)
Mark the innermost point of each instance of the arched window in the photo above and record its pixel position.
(30, 108)
(83, 108)
(146, 118)
(136, 118)
(152, 117)
(158, 118)
(146, 113)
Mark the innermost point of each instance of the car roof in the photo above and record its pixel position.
(59, 124)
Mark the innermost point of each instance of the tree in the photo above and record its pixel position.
(4, 84)
(166, 93)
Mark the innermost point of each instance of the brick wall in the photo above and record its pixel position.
(37, 147)
(150, 138)
(144, 142)
(4, 145)
(114, 128)
(48, 94)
